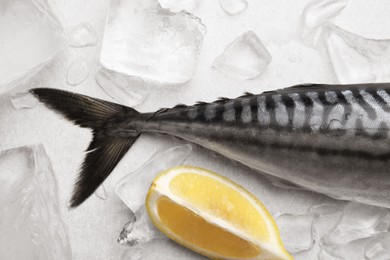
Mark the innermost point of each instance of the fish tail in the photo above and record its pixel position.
(104, 152)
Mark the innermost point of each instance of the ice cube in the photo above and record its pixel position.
(31, 226)
(23, 100)
(177, 6)
(328, 216)
(127, 90)
(139, 230)
(233, 7)
(244, 58)
(132, 189)
(30, 37)
(379, 247)
(359, 221)
(317, 13)
(356, 59)
(82, 35)
(141, 39)
(101, 192)
(290, 225)
(78, 72)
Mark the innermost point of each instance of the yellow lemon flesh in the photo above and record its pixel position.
(212, 215)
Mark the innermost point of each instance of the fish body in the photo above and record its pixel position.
(332, 139)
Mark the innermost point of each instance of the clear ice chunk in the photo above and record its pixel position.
(359, 221)
(291, 225)
(244, 58)
(31, 226)
(78, 72)
(141, 39)
(132, 189)
(23, 100)
(101, 192)
(233, 7)
(82, 35)
(356, 59)
(177, 6)
(378, 248)
(127, 90)
(139, 230)
(317, 13)
(30, 37)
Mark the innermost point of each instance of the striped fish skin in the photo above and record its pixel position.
(333, 139)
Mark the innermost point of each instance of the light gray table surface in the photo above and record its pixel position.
(95, 225)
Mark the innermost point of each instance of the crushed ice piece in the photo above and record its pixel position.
(141, 39)
(244, 58)
(351, 250)
(82, 35)
(317, 13)
(359, 221)
(138, 230)
(127, 228)
(127, 90)
(177, 6)
(101, 192)
(233, 7)
(78, 72)
(356, 59)
(30, 37)
(291, 225)
(132, 189)
(23, 100)
(31, 226)
(327, 218)
(378, 248)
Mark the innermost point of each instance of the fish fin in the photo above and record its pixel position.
(246, 94)
(180, 106)
(81, 110)
(104, 152)
(221, 100)
(307, 87)
(160, 111)
(200, 103)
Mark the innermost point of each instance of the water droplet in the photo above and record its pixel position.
(78, 72)
(23, 100)
(101, 192)
(233, 7)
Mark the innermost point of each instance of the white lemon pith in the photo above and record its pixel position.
(212, 215)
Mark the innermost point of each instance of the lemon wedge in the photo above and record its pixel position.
(212, 216)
